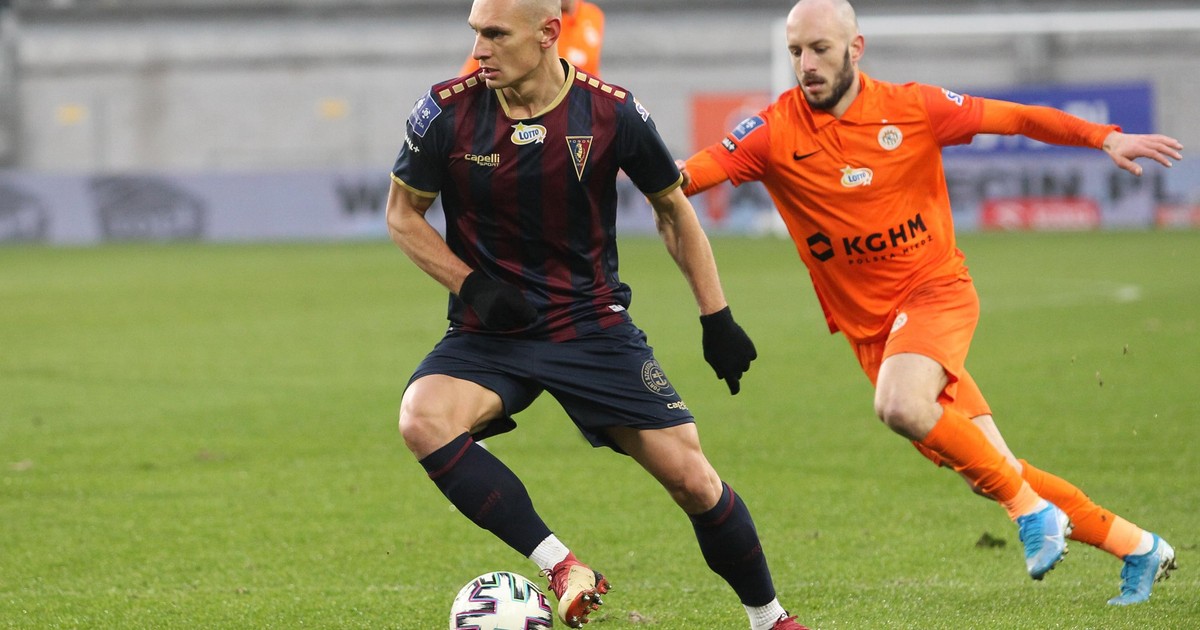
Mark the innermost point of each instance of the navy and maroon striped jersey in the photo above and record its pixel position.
(533, 202)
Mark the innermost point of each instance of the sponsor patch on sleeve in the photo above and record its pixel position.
(642, 111)
(729, 145)
(747, 126)
(423, 113)
(953, 97)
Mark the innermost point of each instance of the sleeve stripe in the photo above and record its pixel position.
(668, 189)
(416, 191)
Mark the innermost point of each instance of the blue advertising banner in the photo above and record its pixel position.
(1130, 105)
(83, 209)
(1005, 191)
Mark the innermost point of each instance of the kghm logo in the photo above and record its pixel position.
(852, 177)
(877, 246)
(527, 134)
(820, 247)
(483, 160)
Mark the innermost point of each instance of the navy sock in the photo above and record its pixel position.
(729, 543)
(487, 492)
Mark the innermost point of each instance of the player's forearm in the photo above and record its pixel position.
(1044, 124)
(413, 234)
(689, 247)
(701, 172)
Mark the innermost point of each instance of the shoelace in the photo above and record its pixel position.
(1028, 525)
(549, 574)
(1129, 575)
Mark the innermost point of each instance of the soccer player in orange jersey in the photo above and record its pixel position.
(854, 167)
(580, 41)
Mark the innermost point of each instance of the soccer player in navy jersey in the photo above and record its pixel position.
(525, 155)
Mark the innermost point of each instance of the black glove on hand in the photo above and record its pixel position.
(499, 306)
(727, 347)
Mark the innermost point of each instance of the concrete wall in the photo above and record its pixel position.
(288, 88)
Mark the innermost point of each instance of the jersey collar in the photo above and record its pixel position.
(855, 113)
(558, 98)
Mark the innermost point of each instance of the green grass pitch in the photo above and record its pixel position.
(204, 437)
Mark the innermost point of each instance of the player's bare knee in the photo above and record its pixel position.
(420, 427)
(692, 500)
(410, 426)
(903, 416)
(693, 492)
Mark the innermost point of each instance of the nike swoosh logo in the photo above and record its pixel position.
(796, 156)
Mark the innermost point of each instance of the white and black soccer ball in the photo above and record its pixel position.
(500, 601)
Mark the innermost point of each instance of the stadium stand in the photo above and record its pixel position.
(286, 84)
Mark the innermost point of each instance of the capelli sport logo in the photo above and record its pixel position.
(490, 160)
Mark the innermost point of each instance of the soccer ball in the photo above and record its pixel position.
(500, 601)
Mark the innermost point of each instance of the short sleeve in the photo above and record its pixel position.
(420, 167)
(643, 155)
(745, 151)
(955, 118)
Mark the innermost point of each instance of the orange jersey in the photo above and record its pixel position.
(864, 196)
(579, 43)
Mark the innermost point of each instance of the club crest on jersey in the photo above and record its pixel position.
(890, 137)
(423, 113)
(852, 177)
(579, 146)
(527, 134)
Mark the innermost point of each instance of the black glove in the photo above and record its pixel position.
(727, 347)
(499, 306)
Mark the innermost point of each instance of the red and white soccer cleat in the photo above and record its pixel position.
(578, 589)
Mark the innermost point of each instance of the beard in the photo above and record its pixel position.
(841, 85)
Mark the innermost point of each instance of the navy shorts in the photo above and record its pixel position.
(603, 379)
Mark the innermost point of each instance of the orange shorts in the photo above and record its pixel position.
(937, 320)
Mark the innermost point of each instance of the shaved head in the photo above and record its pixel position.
(523, 11)
(836, 17)
(516, 44)
(538, 10)
(825, 45)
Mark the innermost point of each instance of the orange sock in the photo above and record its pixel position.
(1025, 502)
(965, 448)
(1094, 525)
(1123, 538)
